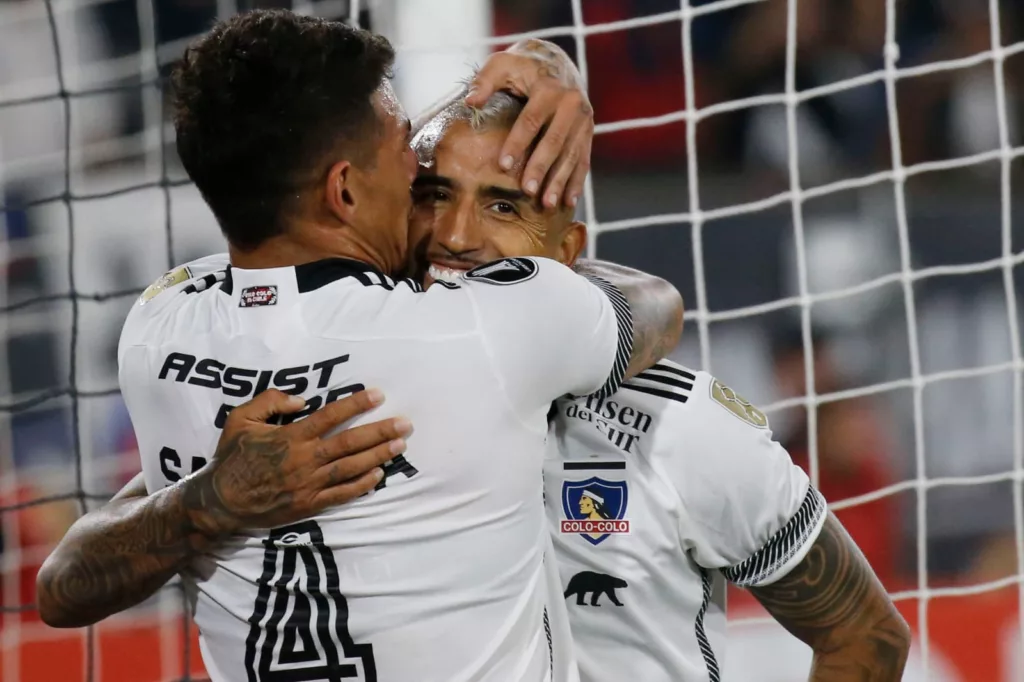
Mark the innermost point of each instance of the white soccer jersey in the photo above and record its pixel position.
(438, 576)
(654, 494)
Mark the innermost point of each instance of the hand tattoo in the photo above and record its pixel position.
(244, 486)
(553, 61)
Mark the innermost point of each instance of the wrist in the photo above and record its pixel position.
(202, 509)
(561, 65)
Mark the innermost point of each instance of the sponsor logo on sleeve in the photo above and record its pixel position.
(257, 296)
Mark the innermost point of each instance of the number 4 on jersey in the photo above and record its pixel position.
(299, 627)
(398, 465)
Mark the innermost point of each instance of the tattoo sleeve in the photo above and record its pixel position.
(833, 602)
(122, 553)
(117, 556)
(656, 307)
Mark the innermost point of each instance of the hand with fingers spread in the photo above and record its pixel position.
(264, 476)
(261, 476)
(557, 110)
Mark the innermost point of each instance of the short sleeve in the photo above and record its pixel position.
(749, 511)
(197, 274)
(550, 331)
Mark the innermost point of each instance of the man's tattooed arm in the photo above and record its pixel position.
(261, 476)
(656, 307)
(117, 556)
(833, 602)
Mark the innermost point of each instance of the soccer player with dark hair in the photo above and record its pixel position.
(290, 129)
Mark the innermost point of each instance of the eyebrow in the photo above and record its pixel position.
(433, 181)
(495, 192)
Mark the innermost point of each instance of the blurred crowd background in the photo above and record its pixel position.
(98, 205)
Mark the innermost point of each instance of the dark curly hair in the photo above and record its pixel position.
(264, 102)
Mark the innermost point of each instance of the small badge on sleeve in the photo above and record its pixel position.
(257, 296)
(169, 279)
(732, 401)
(503, 272)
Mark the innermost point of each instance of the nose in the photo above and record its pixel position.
(459, 232)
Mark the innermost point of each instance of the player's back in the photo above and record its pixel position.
(438, 575)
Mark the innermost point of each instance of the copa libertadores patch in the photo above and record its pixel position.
(503, 272)
(168, 280)
(735, 403)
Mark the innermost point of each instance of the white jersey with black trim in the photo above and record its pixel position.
(439, 574)
(654, 495)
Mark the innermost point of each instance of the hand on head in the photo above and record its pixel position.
(558, 111)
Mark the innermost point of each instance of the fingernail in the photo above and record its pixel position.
(397, 447)
(506, 162)
(403, 426)
(531, 187)
(553, 200)
(375, 395)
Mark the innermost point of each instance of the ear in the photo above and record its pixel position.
(573, 242)
(338, 191)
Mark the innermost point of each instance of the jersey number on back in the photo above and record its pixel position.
(299, 628)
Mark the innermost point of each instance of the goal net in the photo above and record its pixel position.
(831, 186)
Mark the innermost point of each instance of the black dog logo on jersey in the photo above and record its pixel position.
(596, 584)
(594, 508)
(503, 272)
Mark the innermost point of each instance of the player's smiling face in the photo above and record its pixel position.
(467, 211)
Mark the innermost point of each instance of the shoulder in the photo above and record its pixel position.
(162, 298)
(388, 308)
(177, 278)
(716, 445)
(507, 276)
(503, 295)
(509, 271)
(666, 381)
(703, 424)
(709, 403)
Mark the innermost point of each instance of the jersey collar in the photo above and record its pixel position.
(312, 276)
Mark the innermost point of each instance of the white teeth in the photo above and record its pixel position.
(444, 274)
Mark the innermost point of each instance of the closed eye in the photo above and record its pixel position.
(430, 195)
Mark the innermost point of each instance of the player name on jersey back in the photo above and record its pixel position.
(439, 574)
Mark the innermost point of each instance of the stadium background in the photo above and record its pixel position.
(835, 174)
